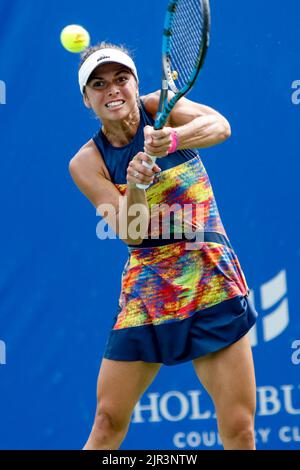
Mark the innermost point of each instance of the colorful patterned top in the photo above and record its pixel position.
(181, 297)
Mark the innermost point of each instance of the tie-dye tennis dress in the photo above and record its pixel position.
(183, 293)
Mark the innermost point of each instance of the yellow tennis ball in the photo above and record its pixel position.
(75, 38)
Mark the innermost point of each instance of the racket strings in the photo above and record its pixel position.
(186, 41)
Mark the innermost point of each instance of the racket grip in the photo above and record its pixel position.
(150, 166)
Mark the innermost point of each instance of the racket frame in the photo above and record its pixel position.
(165, 106)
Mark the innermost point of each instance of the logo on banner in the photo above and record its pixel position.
(2, 92)
(193, 407)
(274, 302)
(296, 354)
(2, 352)
(296, 94)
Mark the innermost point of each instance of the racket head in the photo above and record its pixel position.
(185, 42)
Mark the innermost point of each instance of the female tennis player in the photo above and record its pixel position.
(180, 300)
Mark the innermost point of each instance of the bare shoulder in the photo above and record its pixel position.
(91, 176)
(87, 157)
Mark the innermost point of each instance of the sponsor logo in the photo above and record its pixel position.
(2, 352)
(211, 439)
(296, 354)
(296, 93)
(103, 57)
(175, 406)
(274, 305)
(193, 406)
(2, 92)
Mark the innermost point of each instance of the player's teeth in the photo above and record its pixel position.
(116, 103)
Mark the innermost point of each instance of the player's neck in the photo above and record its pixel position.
(120, 133)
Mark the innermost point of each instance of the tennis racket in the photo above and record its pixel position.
(185, 43)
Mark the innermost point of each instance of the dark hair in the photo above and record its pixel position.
(101, 45)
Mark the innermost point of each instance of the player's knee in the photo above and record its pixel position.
(240, 426)
(244, 434)
(107, 423)
(247, 437)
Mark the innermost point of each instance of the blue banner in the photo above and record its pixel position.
(60, 284)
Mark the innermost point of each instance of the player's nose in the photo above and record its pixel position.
(113, 90)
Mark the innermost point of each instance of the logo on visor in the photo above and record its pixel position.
(103, 57)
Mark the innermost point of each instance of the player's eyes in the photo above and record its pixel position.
(101, 84)
(98, 84)
(122, 79)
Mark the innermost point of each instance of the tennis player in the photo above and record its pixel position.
(180, 300)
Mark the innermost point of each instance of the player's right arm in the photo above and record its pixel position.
(92, 179)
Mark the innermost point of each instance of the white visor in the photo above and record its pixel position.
(104, 56)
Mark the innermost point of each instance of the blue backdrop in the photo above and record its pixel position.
(59, 283)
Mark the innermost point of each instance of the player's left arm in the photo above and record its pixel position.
(197, 126)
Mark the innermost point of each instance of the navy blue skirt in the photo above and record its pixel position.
(210, 330)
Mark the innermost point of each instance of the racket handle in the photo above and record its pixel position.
(150, 166)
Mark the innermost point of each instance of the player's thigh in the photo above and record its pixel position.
(228, 376)
(121, 384)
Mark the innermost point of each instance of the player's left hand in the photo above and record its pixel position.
(157, 142)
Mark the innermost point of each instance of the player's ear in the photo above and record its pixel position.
(86, 100)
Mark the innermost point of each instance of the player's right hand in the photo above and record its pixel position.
(157, 142)
(138, 173)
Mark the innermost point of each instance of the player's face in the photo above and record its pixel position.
(111, 92)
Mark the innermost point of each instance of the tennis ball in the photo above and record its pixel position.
(75, 38)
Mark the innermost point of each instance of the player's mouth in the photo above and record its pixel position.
(115, 104)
